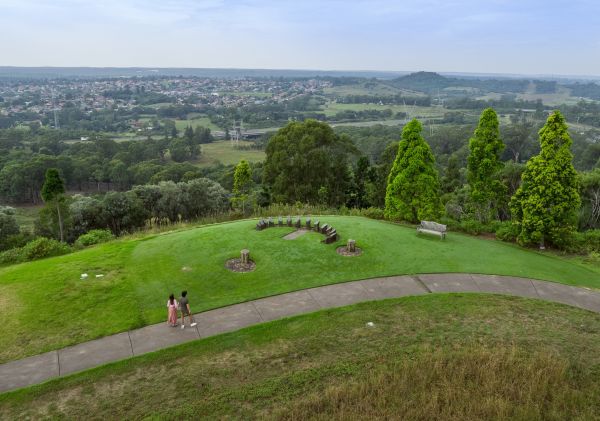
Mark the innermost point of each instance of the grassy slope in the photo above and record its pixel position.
(434, 357)
(44, 305)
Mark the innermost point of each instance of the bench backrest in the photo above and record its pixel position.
(433, 226)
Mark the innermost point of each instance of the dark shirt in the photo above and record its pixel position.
(183, 303)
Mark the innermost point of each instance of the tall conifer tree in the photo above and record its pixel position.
(486, 189)
(53, 192)
(413, 190)
(546, 204)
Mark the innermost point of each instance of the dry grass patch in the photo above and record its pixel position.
(471, 383)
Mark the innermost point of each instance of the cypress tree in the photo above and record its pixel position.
(413, 190)
(546, 204)
(53, 192)
(242, 178)
(483, 165)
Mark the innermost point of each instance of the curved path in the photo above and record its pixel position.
(36, 369)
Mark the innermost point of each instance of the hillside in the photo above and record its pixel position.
(446, 356)
(432, 83)
(52, 307)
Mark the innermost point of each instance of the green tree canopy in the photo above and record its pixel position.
(53, 192)
(546, 204)
(242, 178)
(304, 157)
(413, 190)
(8, 223)
(483, 166)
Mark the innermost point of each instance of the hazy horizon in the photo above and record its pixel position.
(498, 37)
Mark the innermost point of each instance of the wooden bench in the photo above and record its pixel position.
(298, 223)
(308, 223)
(429, 227)
(271, 223)
(289, 221)
(316, 226)
(280, 221)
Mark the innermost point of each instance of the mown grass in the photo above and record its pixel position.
(44, 305)
(196, 121)
(331, 109)
(223, 151)
(436, 357)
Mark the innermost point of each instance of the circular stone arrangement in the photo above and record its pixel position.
(349, 249)
(243, 264)
(236, 265)
(344, 251)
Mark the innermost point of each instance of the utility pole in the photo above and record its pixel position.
(55, 110)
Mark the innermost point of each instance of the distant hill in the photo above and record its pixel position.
(431, 83)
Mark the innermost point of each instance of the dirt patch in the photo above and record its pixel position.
(343, 251)
(236, 265)
(296, 234)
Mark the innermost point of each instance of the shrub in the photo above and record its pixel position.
(11, 256)
(373, 213)
(591, 241)
(16, 240)
(94, 237)
(507, 231)
(36, 249)
(44, 247)
(587, 242)
(473, 227)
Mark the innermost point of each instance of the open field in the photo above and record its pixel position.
(330, 109)
(369, 88)
(561, 96)
(222, 151)
(140, 273)
(439, 357)
(26, 216)
(196, 121)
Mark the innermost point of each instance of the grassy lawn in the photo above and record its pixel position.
(453, 356)
(331, 109)
(44, 305)
(222, 151)
(369, 88)
(196, 121)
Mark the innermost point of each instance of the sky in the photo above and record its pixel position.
(481, 36)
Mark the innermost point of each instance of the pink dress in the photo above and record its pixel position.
(172, 312)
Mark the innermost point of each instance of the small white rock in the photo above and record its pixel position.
(84, 275)
(370, 324)
(99, 276)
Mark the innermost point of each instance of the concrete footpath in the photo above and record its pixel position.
(39, 368)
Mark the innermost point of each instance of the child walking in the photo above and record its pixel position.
(172, 305)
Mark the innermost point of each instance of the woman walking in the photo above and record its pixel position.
(172, 305)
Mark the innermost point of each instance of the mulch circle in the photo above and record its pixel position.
(236, 265)
(344, 251)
